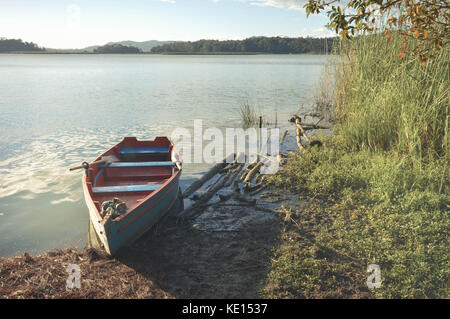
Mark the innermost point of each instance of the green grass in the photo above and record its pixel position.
(378, 188)
(376, 208)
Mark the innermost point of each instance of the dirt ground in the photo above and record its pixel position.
(228, 250)
(224, 252)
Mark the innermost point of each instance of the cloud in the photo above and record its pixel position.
(288, 4)
(317, 33)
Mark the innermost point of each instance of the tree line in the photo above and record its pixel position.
(276, 45)
(252, 45)
(117, 48)
(17, 45)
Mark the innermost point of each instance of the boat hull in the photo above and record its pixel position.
(113, 234)
(116, 235)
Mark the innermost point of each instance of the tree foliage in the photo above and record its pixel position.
(17, 45)
(425, 20)
(250, 45)
(117, 48)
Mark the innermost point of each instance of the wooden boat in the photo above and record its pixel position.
(145, 176)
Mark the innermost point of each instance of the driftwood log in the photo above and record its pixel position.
(300, 129)
(237, 174)
(308, 126)
(252, 172)
(198, 183)
(283, 137)
(203, 200)
(299, 140)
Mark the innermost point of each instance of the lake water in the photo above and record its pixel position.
(59, 110)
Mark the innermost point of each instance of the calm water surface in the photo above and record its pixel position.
(59, 110)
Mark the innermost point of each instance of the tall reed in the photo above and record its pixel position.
(248, 114)
(385, 102)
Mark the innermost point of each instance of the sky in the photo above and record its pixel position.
(81, 23)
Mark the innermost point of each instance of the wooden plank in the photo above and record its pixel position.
(144, 150)
(137, 164)
(126, 188)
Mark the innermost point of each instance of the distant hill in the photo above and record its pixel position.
(17, 45)
(145, 46)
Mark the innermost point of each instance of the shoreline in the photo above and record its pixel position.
(163, 53)
(227, 247)
(230, 234)
(224, 237)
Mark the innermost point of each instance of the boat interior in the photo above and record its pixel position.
(141, 168)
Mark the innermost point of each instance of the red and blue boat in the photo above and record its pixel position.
(144, 177)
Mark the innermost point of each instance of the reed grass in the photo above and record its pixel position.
(248, 114)
(323, 99)
(384, 102)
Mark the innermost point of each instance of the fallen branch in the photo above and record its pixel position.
(299, 141)
(283, 137)
(302, 131)
(308, 126)
(211, 185)
(235, 174)
(228, 168)
(253, 187)
(198, 183)
(258, 190)
(252, 172)
(203, 200)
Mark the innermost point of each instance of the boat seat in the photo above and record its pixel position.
(126, 188)
(144, 150)
(137, 164)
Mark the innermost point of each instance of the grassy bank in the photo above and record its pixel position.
(378, 189)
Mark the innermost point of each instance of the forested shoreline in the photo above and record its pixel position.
(117, 48)
(273, 45)
(253, 45)
(17, 45)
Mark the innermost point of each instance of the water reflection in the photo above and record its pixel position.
(57, 111)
